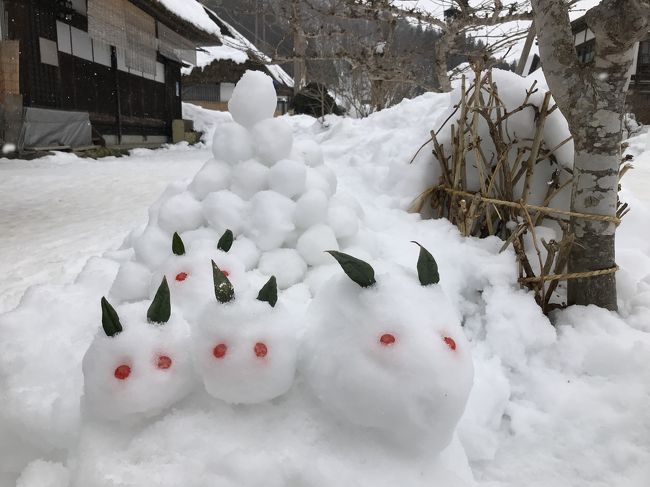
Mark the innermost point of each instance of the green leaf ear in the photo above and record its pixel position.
(427, 267)
(269, 292)
(359, 271)
(161, 308)
(223, 290)
(110, 320)
(177, 245)
(225, 242)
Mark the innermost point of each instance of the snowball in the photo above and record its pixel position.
(253, 99)
(152, 247)
(311, 208)
(225, 210)
(288, 177)
(244, 250)
(382, 358)
(232, 143)
(270, 220)
(343, 221)
(180, 213)
(314, 242)
(273, 140)
(245, 350)
(316, 180)
(158, 361)
(213, 176)
(249, 177)
(309, 151)
(131, 283)
(285, 264)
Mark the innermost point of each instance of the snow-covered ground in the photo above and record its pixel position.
(58, 211)
(555, 406)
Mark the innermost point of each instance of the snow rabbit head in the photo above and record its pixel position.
(389, 353)
(139, 364)
(245, 348)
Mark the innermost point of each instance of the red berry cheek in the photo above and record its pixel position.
(387, 339)
(225, 272)
(122, 372)
(260, 349)
(163, 362)
(181, 276)
(450, 343)
(219, 351)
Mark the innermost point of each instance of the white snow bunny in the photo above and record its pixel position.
(188, 272)
(389, 354)
(245, 348)
(140, 363)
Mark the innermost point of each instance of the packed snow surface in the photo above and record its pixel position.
(561, 405)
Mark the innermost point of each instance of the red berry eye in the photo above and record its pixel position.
(122, 372)
(220, 350)
(260, 349)
(387, 339)
(181, 276)
(450, 342)
(164, 362)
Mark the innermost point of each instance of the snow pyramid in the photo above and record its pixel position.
(275, 197)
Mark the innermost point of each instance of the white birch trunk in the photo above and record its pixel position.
(592, 98)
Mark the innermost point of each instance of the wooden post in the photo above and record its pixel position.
(526, 52)
(118, 102)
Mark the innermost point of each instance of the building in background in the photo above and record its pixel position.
(638, 98)
(218, 68)
(76, 73)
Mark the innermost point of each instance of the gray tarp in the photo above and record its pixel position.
(49, 128)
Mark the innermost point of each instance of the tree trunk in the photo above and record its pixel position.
(592, 98)
(299, 47)
(440, 65)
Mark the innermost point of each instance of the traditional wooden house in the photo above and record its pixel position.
(209, 83)
(78, 72)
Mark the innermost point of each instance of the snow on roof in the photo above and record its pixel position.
(193, 12)
(235, 48)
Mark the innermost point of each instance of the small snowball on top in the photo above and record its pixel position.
(389, 353)
(253, 99)
(245, 349)
(139, 364)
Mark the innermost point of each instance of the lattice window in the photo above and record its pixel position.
(107, 22)
(174, 46)
(141, 36)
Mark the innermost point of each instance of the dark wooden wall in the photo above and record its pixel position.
(147, 106)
